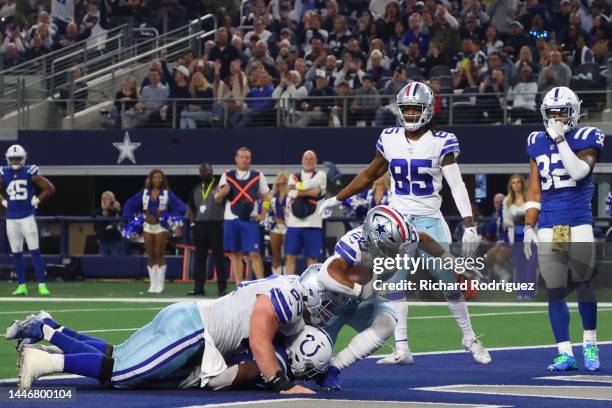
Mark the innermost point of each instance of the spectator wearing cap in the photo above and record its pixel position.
(471, 28)
(385, 27)
(263, 55)
(258, 100)
(515, 40)
(414, 34)
(582, 54)
(445, 30)
(365, 103)
(376, 70)
(179, 91)
(223, 51)
(492, 43)
(523, 97)
(339, 36)
(499, 11)
(317, 110)
(557, 73)
(386, 114)
(328, 64)
(561, 18)
(259, 29)
(286, 34)
(473, 9)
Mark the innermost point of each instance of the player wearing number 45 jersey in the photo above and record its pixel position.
(20, 182)
(417, 155)
(560, 194)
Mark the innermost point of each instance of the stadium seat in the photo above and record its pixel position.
(440, 71)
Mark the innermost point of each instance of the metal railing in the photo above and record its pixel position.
(333, 111)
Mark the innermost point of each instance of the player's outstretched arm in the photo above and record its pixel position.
(532, 208)
(47, 188)
(365, 178)
(263, 327)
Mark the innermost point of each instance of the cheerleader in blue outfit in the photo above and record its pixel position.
(162, 209)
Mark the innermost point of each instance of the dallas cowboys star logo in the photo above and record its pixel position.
(126, 149)
(381, 228)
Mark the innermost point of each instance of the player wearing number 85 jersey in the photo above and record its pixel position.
(560, 194)
(20, 182)
(417, 155)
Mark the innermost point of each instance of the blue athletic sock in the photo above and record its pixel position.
(76, 335)
(587, 305)
(39, 265)
(51, 323)
(99, 345)
(558, 313)
(70, 345)
(86, 364)
(19, 266)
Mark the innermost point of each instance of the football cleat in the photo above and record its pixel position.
(591, 357)
(42, 290)
(399, 356)
(30, 328)
(563, 362)
(33, 364)
(22, 290)
(480, 354)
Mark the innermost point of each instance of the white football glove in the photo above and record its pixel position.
(4, 203)
(469, 242)
(530, 237)
(555, 128)
(325, 210)
(35, 202)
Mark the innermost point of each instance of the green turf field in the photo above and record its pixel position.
(431, 328)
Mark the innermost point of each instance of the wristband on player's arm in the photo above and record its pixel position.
(280, 382)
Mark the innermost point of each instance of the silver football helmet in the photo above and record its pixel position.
(310, 353)
(319, 301)
(561, 100)
(419, 95)
(16, 152)
(387, 231)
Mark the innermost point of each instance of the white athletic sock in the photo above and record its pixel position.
(56, 363)
(47, 332)
(401, 329)
(361, 346)
(277, 270)
(589, 337)
(152, 275)
(565, 347)
(161, 277)
(460, 312)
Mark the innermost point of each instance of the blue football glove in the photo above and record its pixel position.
(331, 381)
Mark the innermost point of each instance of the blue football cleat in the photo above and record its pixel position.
(591, 357)
(564, 362)
(331, 381)
(30, 328)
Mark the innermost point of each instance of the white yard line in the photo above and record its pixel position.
(126, 309)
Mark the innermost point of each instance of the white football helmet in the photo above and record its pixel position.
(387, 231)
(310, 353)
(16, 152)
(415, 94)
(561, 99)
(319, 301)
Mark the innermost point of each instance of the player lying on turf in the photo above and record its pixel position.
(179, 333)
(560, 194)
(384, 234)
(417, 155)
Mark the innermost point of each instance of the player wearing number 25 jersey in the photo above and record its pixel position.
(560, 194)
(20, 182)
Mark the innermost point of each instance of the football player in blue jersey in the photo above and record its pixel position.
(21, 182)
(559, 201)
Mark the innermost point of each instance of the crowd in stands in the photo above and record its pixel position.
(303, 57)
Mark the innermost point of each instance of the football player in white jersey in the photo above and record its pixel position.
(560, 193)
(249, 316)
(417, 156)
